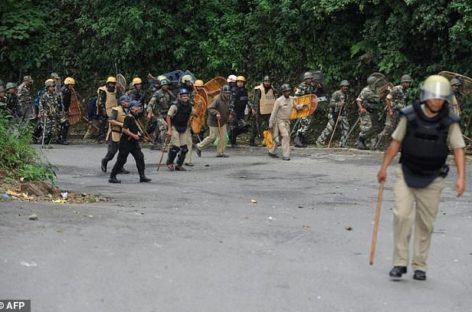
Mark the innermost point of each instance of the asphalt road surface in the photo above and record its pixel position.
(246, 233)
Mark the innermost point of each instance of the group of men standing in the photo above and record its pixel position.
(47, 111)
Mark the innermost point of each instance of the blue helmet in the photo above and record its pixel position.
(134, 103)
(183, 91)
(123, 98)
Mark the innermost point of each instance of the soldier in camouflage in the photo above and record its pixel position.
(396, 100)
(304, 88)
(25, 99)
(3, 101)
(337, 113)
(368, 103)
(457, 104)
(12, 99)
(157, 109)
(50, 111)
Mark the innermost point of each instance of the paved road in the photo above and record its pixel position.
(194, 241)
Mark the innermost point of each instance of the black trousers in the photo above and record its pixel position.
(112, 150)
(126, 148)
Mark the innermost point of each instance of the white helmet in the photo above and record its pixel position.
(436, 87)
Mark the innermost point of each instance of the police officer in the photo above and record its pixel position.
(368, 103)
(337, 112)
(51, 113)
(116, 120)
(218, 117)
(396, 100)
(241, 101)
(157, 110)
(25, 99)
(67, 94)
(264, 99)
(12, 99)
(106, 100)
(3, 100)
(304, 88)
(136, 93)
(458, 98)
(279, 122)
(129, 144)
(423, 136)
(178, 118)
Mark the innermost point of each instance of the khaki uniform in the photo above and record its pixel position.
(280, 123)
(221, 107)
(423, 214)
(177, 138)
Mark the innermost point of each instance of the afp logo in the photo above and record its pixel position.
(15, 305)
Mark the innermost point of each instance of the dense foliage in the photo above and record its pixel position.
(346, 39)
(19, 158)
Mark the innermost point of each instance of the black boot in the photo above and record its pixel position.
(181, 158)
(299, 141)
(360, 144)
(104, 165)
(64, 132)
(113, 179)
(397, 272)
(143, 178)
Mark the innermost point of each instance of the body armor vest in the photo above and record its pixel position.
(424, 148)
(182, 117)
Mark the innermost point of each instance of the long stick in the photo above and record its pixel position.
(375, 231)
(162, 153)
(352, 128)
(335, 126)
(141, 127)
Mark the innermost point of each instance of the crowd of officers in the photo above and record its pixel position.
(424, 133)
(47, 111)
(169, 111)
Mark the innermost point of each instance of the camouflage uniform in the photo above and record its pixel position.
(337, 107)
(50, 108)
(25, 101)
(159, 106)
(398, 99)
(369, 120)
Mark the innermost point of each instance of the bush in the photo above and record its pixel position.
(18, 159)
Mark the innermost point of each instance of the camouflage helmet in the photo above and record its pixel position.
(436, 87)
(406, 78)
(456, 82)
(371, 80)
(10, 85)
(317, 75)
(2, 89)
(161, 77)
(55, 76)
(308, 75)
(285, 87)
(344, 83)
(49, 83)
(165, 82)
(226, 89)
(186, 78)
(266, 78)
(28, 78)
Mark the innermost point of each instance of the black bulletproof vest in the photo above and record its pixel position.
(424, 148)
(241, 101)
(181, 118)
